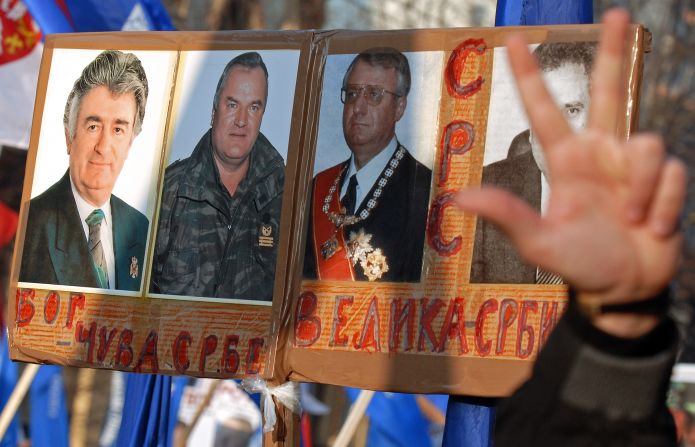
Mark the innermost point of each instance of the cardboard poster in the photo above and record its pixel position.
(407, 293)
(377, 282)
(143, 289)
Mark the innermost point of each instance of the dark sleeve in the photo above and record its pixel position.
(591, 388)
(161, 246)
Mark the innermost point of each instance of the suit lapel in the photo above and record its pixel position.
(68, 249)
(128, 247)
(530, 183)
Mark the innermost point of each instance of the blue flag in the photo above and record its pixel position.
(467, 422)
(543, 12)
(178, 387)
(146, 411)
(8, 380)
(48, 415)
(395, 420)
(66, 16)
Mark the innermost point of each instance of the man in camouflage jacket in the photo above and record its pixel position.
(219, 221)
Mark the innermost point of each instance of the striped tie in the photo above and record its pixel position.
(546, 277)
(96, 248)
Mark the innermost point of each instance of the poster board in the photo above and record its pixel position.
(148, 329)
(436, 331)
(446, 331)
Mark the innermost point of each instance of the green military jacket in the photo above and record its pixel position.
(212, 244)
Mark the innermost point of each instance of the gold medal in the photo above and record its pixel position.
(373, 262)
(375, 265)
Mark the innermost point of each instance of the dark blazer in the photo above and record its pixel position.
(55, 246)
(397, 224)
(495, 260)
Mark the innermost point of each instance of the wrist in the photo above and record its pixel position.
(627, 319)
(626, 325)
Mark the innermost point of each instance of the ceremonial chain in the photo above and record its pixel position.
(340, 219)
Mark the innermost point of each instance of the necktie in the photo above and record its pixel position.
(546, 277)
(350, 196)
(96, 249)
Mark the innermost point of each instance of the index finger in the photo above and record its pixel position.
(607, 74)
(547, 121)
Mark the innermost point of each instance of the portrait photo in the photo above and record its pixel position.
(93, 193)
(514, 158)
(373, 166)
(218, 231)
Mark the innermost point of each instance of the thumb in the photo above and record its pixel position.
(517, 220)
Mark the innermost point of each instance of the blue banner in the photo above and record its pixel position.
(146, 411)
(543, 12)
(66, 16)
(8, 380)
(395, 420)
(48, 417)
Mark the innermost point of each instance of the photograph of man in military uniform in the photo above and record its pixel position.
(88, 220)
(219, 222)
(371, 190)
(514, 158)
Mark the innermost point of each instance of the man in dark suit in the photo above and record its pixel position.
(78, 233)
(368, 214)
(566, 68)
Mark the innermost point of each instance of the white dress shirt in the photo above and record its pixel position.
(84, 208)
(369, 173)
(545, 194)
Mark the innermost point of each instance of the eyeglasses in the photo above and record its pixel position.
(372, 93)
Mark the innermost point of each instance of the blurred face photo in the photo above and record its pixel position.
(103, 135)
(371, 108)
(237, 118)
(569, 86)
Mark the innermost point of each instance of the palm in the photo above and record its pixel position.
(586, 221)
(609, 226)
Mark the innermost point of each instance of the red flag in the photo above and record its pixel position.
(20, 58)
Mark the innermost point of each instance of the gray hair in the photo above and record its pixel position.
(121, 73)
(552, 55)
(249, 60)
(385, 57)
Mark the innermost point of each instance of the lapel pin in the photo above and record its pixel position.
(133, 267)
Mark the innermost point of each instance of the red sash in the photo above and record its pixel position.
(338, 266)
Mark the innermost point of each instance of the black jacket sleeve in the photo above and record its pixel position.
(589, 388)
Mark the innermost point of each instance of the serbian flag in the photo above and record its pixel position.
(469, 421)
(67, 16)
(20, 58)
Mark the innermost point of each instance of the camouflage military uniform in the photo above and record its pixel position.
(212, 244)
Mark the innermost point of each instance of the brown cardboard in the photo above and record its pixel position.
(355, 333)
(491, 364)
(134, 331)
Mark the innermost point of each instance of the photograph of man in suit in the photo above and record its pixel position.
(219, 220)
(368, 213)
(78, 233)
(566, 67)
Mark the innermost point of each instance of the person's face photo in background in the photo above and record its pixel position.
(98, 142)
(237, 115)
(372, 106)
(569, 86)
